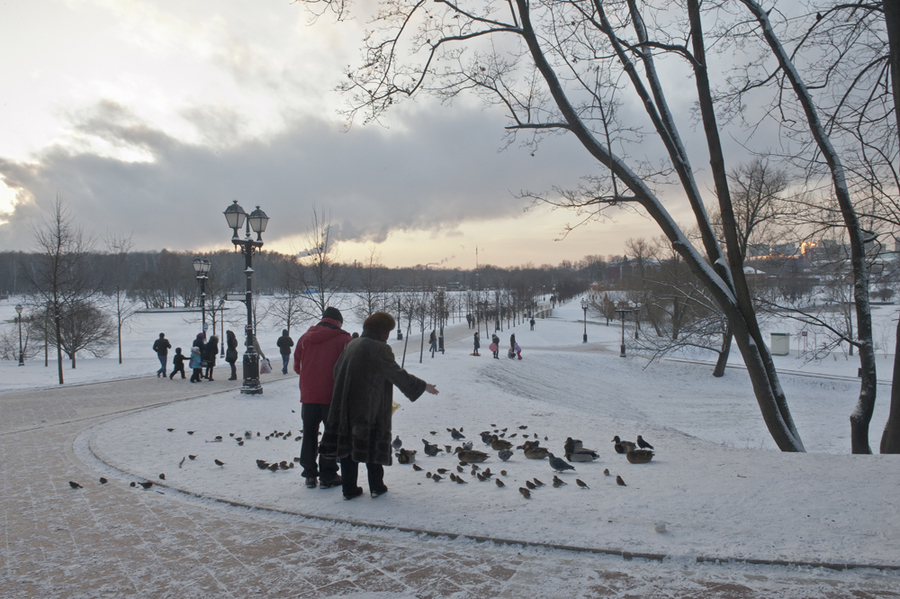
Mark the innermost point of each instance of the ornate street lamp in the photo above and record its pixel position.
(201, 267)
(584, 306)
(19, 308)
(257, 220)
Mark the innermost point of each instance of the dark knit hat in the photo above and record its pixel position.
(380, 323)
(333, 314)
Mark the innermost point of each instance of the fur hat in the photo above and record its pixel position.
(380, 323)
(333, 314)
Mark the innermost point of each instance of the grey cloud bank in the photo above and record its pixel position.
(440, 170)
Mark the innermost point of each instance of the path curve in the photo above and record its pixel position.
(114, 540)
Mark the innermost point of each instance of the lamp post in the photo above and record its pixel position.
(622, 312)
(637, 319)
(257, 220)
(222, 326)
(201, 267)
(584, 306)
(19, 308)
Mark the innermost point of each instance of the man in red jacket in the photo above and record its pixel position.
(314, 358)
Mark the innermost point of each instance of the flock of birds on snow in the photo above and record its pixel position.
(639, 452)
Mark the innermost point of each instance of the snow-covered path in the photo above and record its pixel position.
(113, 540)
(716, 483)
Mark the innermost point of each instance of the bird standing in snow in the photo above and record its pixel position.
(559, 464)
(430, 448)
(643, 444)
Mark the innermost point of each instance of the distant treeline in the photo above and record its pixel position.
(167, 279)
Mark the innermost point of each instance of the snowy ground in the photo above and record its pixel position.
(717, 483)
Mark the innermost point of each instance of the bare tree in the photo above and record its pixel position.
(60, 278)
(119, 246)
(83, 326)
(793, 86)
(287, 308)
(321, 273)
(562, 66)
(371, 290)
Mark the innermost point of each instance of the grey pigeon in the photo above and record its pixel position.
(430, 448)
(504, 454)
(559, 464)
(397, 443)
(456, 435)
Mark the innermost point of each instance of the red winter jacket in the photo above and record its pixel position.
(314, 358)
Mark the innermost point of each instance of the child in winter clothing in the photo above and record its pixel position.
(177, 363)
(196, 361)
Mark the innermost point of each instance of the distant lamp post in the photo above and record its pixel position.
(584, 306)
(622, 312)
(257, 220)
(19, 308)
(201, 267)
(637, 319)
(399, 332)
(221, 308)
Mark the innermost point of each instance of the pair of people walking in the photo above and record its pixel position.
(348, 384)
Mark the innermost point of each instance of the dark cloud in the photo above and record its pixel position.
(442, 169)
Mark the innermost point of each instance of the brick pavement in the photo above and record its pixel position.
(115, 541)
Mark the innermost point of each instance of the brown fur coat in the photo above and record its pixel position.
(359, 422)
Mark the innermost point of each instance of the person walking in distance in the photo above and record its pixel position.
(231, 353)
(196, 364)
(161, 346)
(285, 344)
(476, 340)
(177, 363)
(358, 429)
(209, 353)
(316, 353)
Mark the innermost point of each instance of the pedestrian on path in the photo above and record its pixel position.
(231, 353)
(161, 346)
(358, 429)
(495, 346)
(477, 343)
(177, 363)
(209, 352)
(196, 364)
(314, 358)
(285, 343)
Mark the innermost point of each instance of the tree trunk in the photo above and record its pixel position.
(865, 406)
(59, 357)
(722, 362)
(890, 439)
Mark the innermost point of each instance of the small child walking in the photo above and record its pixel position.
(177, 363)
(196, 362)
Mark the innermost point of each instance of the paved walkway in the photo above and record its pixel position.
(115, 541)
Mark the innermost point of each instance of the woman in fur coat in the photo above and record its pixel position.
(358, 429)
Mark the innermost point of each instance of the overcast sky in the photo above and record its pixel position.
(149, 118)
